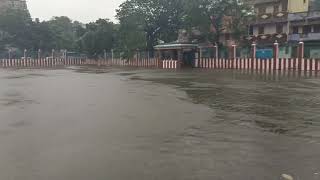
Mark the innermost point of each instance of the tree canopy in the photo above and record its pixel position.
(98, 37)
(142, 24)
(161, 20)
(155, 19)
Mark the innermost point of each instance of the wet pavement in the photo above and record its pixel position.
(131, 124)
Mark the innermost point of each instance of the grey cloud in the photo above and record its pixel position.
(81, 10)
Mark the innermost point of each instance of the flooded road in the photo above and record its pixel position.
(113, 124)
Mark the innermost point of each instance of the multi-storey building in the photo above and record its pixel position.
(287, 22)
(271, 23)
(305, 26)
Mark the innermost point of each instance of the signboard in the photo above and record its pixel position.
(264, 53)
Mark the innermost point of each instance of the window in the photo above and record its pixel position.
(261, 30)
(295, 30)
(251, 30)
(285, 6)
(316, 28)
(306, 29)
(276, 9)
(227, 36)
(279, 28)
(262, 10)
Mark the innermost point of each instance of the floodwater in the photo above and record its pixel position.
(131, 124)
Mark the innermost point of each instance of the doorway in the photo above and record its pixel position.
(188, 59)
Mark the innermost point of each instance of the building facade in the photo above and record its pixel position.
(287, 22)
(271, 22)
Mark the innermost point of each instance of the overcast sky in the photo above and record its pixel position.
(81, 10)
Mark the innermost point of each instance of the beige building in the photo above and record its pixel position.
(296, 6)
(288, 22)
(272, 21)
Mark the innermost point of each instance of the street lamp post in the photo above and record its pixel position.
(39, 53)
(52, 53)
(25, 54)
(9, 54)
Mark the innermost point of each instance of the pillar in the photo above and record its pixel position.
(39, 53)
(112, 56)
(300, 54)
(52, 53)
(159, 58)
(198, 57)
(25, 54)
(275, 50)
(254, 50)
(180, 57)
(234, 51)
(216, 48)
(65, 54)
(9, 52)
(301, 50)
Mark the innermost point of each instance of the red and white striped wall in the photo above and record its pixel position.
(170, 64)
(260, 64)
(147, 63)
(283, 64)
(48, 62)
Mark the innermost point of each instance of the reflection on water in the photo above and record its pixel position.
(276, 103)
(12, 98)
(119, 124)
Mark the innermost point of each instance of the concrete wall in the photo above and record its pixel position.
(315, 52)
(269, 9)
(295, 6)
(285, 52)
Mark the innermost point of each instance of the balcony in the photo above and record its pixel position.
(304, 16)
(304, 37)
(271, 18)
(266, 38)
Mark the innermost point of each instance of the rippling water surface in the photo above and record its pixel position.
(130, 124)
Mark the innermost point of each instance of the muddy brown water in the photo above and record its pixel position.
(131, 124)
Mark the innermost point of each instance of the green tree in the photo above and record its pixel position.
(64, 32)
(16, 28)
(155, 18)
(210, 17)
(131, 36)
(99, 36)
(42, 36)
